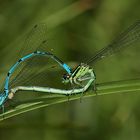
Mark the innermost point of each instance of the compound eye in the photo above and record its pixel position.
(65, 76)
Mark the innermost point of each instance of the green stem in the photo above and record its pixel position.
(125, 86)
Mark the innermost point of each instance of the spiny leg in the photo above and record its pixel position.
(84, 79)
(72, 86)
(95, 88)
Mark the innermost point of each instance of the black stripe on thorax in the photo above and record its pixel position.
(76, 70)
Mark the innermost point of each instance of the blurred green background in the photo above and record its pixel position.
(76, 30)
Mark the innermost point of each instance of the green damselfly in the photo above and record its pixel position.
(84, 72)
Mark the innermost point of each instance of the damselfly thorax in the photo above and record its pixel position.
(79, 75)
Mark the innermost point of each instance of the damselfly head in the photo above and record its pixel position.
(66, 78)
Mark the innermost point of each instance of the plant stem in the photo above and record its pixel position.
(125, 86)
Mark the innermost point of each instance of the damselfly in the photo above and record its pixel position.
(83, 72)
(33, 50)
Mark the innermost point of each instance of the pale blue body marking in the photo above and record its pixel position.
(4, 95)
(67, 68)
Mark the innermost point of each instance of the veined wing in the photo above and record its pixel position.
(126, 39)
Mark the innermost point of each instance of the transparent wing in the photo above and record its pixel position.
(30, 43)
(37, 70)
(32, 71)
(33, 39)
(126, 39)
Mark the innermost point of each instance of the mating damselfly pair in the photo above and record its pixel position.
(34, 55)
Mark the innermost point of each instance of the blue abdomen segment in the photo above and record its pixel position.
(6, 83)
(20, 60)
(6, 87)
(67, 68)
(27, 56)
(4, 95)
(2, 99)
(13, 68)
